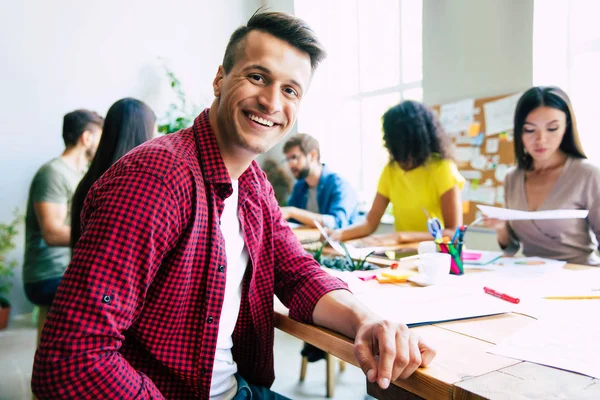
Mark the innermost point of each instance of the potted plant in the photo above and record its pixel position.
(8, 232)
(181, 113)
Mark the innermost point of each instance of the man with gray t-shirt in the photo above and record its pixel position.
(48, 218)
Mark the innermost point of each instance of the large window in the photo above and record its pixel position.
(566, 53)
(374, 61)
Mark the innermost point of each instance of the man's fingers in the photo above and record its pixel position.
(427, 353)
(366, 359)
(388, 353)
(414, 357)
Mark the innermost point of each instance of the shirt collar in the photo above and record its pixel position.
(211, 162)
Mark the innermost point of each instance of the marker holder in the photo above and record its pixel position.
(455, 251)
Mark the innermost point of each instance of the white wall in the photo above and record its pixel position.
(475, 48)
(61, 55)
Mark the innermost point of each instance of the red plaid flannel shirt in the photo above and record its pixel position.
(137, 312)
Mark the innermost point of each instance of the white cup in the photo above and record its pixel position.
(427, 247)
(435, 267)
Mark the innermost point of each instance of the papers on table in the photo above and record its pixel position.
(480, 257)
(573, 347)
(355, 252)
(513, 215)
(294, 225)
(427, 305)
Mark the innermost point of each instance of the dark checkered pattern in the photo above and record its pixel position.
(137, 312)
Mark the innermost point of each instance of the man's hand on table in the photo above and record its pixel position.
(387, 351)
(384, 350)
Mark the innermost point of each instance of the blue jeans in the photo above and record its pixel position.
(254, 392)
(42, 293)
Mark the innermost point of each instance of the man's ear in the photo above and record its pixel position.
(218, 81)
(86, 138)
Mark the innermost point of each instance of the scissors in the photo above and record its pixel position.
(434, 226)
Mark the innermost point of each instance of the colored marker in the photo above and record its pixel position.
(502, 296)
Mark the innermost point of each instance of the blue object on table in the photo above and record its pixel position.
(434, 226)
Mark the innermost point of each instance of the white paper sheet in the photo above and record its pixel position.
(424, 305)
(514, 215)
(486, 195)
(471, 174)
(457, 117)
(492, 145)
(499, 114)
(465, 154)
(569, 345)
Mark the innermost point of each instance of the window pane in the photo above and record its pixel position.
(412, 40)
(584, 92)
(379, 43)
(413, 94)
(374, 154)
(334, 22)
(584, 20)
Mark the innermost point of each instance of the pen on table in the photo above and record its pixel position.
(456, 235)
(502, 296)
(588, 297)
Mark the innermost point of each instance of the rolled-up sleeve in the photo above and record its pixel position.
(125, 238)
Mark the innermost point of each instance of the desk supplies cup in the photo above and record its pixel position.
(427, 247)
(435, 267)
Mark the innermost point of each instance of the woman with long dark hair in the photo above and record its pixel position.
(129, 123)
(421, 175)
(552, 173)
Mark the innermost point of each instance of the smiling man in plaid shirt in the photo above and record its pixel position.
(169, 293)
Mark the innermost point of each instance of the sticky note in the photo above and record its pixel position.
(474, 129)
(503, 136)
(477, 140)
(466, 206)
(474, 184)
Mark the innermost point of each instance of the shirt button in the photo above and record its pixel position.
(221, 268)
(209, 320)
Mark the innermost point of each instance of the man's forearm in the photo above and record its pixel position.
(59, 236)
(306, 217)
(340, 311)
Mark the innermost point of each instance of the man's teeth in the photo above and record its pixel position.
(261, 121)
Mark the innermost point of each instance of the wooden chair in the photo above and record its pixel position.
(330, 371)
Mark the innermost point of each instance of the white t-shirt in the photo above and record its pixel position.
(224, 384)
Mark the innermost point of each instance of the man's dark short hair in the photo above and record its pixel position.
(78, 121)
(281, 25)
(305, 142)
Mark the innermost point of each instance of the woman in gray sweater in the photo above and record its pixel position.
(552, 173)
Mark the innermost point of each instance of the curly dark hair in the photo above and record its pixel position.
(412, 134)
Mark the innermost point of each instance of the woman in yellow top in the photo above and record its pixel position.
(420, 176)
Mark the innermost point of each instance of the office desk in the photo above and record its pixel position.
(462, 368)
(308, 236)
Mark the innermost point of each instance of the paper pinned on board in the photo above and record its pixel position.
(471, 174)
(465, 154)
(486, 195)
(515, 215)
(499, 114)
(457, 117)
(492, 146)
(570, 348)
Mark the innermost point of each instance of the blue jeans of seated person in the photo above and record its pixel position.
(254, 392)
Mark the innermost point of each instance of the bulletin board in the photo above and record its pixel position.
(482, 132)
